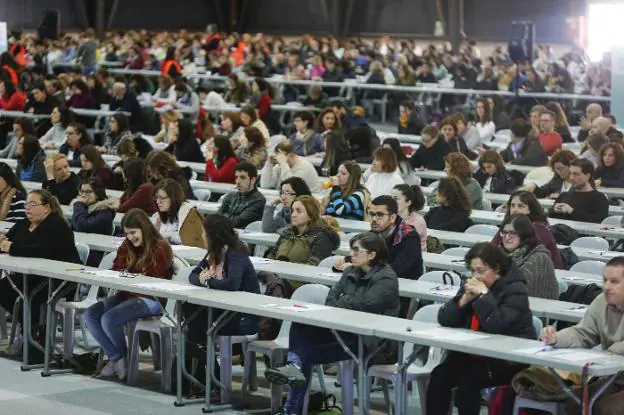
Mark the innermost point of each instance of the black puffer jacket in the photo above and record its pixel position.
(503, 310)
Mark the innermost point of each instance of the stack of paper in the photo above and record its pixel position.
(168, 286)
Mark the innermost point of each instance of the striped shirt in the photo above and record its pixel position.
(353, 207)
(17, 211)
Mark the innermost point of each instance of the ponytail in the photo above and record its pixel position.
(48, 199)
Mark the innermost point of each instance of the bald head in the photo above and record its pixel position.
(593, 111)
(600, 125)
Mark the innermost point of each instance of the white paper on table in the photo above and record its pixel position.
(578, 355)
(450, 334)
(302, 308)
(608, 254)
(181, 247)
(117, 241)
(106, 273)
(446, 290)
(535, 350)
(258, 260)
(330, 274)
(579, 309)
(168, 286)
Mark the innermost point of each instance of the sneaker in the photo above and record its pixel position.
(108, 370)
(121, 369)
(286, 375)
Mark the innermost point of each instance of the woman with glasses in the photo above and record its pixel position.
(308, 239)
(493, 300)
(290, 189)
(520, 243)
(310, 345)
(143, 251)
(77, 138)
(348, 198)
(45, 233)
(177, 220)
(12, 195)
(560, 165)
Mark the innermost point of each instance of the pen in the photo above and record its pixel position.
(75, 269)
(299, 306)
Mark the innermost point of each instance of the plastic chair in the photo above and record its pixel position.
(540, 173)
(459, 251)
(487, 205)
(415, 372)
(482, 229)
(615, 221)
(438, 277)
(276, 349)
(563, 286)
(329, 261)
(590, 242)
(351, 235)
(83, 252)
(256, 226)
(162, 348)
(70, 309)
(589, 267)
(202, 194)
(556, 408)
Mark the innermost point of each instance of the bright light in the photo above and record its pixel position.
(605, 28)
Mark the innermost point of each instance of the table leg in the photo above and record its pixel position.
(599, 392)
(360, 361)
(398, 383)
(211, 332)
(50, 335)
(180, 367)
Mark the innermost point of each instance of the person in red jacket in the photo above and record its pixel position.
(144, 251)
(11, 99)
(139, 192)
(264, 104)
(220, 161)
(549, 138)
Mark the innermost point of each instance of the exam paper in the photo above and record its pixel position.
(330, 274)
(106, 273)
(608, 254)
(181, 247)
(447, 291)
(168, 286)
(452, 335)
(299, 308)
(259, 260)
(571, 355)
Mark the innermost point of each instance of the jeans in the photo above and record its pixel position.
(469, 375)
(314, 346)
(106, 319)
(89, 69)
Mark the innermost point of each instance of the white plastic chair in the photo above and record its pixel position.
(438, 277)
(162, 348)
(563, 286)
(589, 267)
(70, 309)
(415, 372)
(615, 221)
(257, 227)
(482, 229)
(83, 252)
(275, 349)
(487, 205)
(458, 251)
(202, 194)
(590, 242)
(330, 261)
(351, 235)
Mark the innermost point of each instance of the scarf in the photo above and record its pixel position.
(217, 269)
(518, 255)
(7, 199)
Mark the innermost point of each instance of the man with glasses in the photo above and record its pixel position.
(405, 255)
(549, 138)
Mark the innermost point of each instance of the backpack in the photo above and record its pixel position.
(580, 294)
(564, 234)
(539, 384)
(568, 257)
(434, 245)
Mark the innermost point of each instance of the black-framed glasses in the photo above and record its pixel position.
(85, 192)
(160, 198)
(376, 215)
(33, 204)
(511, 234)
(287, 193)
(357, 250)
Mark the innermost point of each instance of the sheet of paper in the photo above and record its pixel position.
(117, 241)
(303, 308)
(445, 290)
(168, 286)
(450, 334)
(535, 350)
(608, 254)
(105, 273)
(570, 355)
(579, 309)
(181, 247)
(259, 260)
(330, 274)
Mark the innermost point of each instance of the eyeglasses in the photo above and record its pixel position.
(356, 250)
(33, 204)
(85, 192)
(376, 215)
(511, 234)
(288, 193)
(160, 198)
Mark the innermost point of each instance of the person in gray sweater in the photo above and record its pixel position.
(519, 241)
(290, 189)
(245, 205)
(602, 325)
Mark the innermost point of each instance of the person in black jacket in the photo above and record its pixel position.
(430, 155)
(183, 144)
(559, 163)
(246, 205)
(77, 138)
(45, 234)
(610, 173)
(60, 181)
(454, 207)
(409, 120)
(42, 104)
(126, 101)
(494, 300)
(492, 175)
(370, 285)
(523, 149)
(450, 131)
(161, 165)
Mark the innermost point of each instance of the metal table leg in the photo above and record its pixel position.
(213, 329)
(181, 371)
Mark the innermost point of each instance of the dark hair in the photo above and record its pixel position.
(66, 115)
(176, 196)
(387, 158)
(9, 176)
(491, 255)
(523, 227)
(455, 194)
(81, 130)
(40, 86)
(122, 121)
(186, 133)
(94, 156)
(618, 152)
(335, 142)
(48, 198)
(247, 167)
(563, 156)
(388, 202)
(139, 256)
(372, 242)
(254, 138)
(30, 149)
(81, 85)
(99, 190)
(493, 157)
(412, 194)
(224, 147)
(521, 128)
(395, 145)
(487, 116)
(251, 112)
(285, 147)
(319, 120)
(135, 175)
(160, 162)
(220, 233)
(299, 186)
(27, 126)
(536, 210)
(127, 148)
(618, 261)
(430, 130)
(586, 166)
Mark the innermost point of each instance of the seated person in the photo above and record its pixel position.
(138, 192)
(220, 161)
(177, 220)
(458, 165)
(285, 163)
(30, 159)
(347, 198)
(410, 201)
(520, 243)
(61, 182)
(162, 165)
(145, 252)
(12, 195)
(450, 131)
(494, 300)
(226, 267)
(290, 189)
(492, 175)
(383, 175)
(524, 150)
(560, 165)
(610, 172)
(94, 166)
(308, 239)
(430, 155)
(305, 140)
(584, 203)
(453, 210)
(550, 139)
(182, 143)
(602, 326)
(310, 345)
(246, 204)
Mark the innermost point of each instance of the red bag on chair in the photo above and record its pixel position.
(502, 401)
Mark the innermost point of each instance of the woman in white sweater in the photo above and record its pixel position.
(55, 136)
(384, 175)
(484, 124)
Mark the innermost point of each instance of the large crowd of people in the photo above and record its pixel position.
(240, 148)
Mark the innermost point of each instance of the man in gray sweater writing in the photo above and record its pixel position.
(602, 325)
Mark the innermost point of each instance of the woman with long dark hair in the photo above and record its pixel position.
(182, 142)
(403, 165)
(94, 166)
(220, 161)
(12, 195)
(30, 160)
(138, 191)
